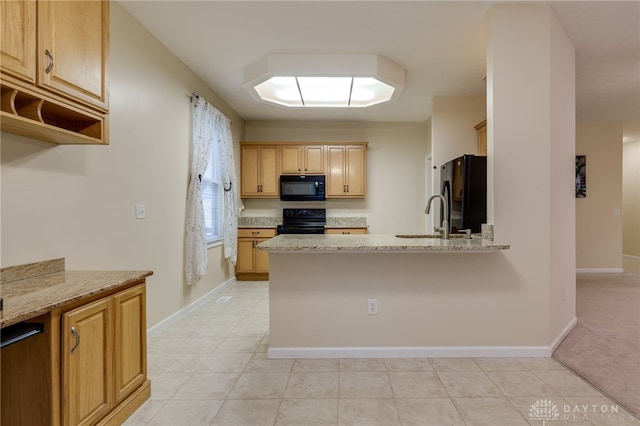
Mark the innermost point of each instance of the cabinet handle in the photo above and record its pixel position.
(49, 60)
(77, 336)
(255, 232)
(347, 188)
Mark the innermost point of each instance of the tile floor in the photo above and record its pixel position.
(210, 368)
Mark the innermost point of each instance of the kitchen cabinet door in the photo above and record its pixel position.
(73, 48)
(259, 177)
(18, 39)
(130, 341)
(252, 263)
(87, 363)
(347, 171)
(261, 258)
(244, 260)
(302, 159)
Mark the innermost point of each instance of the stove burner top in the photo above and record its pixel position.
(303, 221)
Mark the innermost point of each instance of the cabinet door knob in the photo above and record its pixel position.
(49, 60)
(77, 336)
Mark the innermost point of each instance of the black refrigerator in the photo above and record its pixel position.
(464, 186)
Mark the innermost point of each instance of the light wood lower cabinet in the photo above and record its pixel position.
(345, 231)
(88, 367)
(87, 363)
(103, 357)
(251, 263)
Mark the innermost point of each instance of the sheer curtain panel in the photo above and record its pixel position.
(209, 126)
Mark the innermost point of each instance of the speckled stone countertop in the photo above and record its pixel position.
(274, 221)
(380, 243)
(42, 290)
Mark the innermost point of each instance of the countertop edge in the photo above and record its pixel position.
(50, 305)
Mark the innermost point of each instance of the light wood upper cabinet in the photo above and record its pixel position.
(87, 363)
(302, 159)
(54, 70)
(18, 39)
(346, 175)
(259, 176)
(73, 49)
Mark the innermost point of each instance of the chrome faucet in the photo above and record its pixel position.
(445, 223)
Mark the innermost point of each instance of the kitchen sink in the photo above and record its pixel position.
(428, 236)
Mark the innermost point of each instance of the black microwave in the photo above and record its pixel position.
(302, 188)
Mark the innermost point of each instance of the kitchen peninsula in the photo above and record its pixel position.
(383, 296)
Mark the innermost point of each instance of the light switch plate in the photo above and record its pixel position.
(140, 211)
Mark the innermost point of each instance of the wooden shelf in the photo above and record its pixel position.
(27, 114)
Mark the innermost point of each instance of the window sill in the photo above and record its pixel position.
(213, 244)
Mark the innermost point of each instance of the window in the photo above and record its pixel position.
(212, 196)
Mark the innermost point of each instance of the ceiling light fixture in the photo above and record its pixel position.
(324, 81)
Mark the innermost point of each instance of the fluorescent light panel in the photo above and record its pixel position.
(324, 92)
(324, 80)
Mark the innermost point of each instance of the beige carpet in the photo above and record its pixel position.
(604, 347)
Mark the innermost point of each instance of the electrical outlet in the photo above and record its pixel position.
(140, 213)
(372, 306)
(616, 212)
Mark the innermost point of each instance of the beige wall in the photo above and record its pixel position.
(78, 202)
(396, 155)
(598, 230)
(530, 165)
(631, 199)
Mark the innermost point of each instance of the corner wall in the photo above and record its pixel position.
(598, 229)
(78, 202)
(631, 206)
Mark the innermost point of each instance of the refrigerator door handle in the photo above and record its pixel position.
(446, 193)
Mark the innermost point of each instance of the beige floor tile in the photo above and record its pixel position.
(566, 383)
(250, 327)
(247, 413)
(308, 412)
(367, 412)
(499, 364)
(553, 416)
(145, 413)
(312, 385)
(213, 330)
(207, 386)
(260, 386)
(362, 364)
(197, 345)
(408, 364)
(164, 386)
(468, 384)
(488, 411)
(164, 344)
(186, 413)
(264, 345)
(454, 364)
(179, 363)
(239, 344)
(225, 363)
(260, 364)
(542, 364)
(316, 365)
(416, 385)
(428, 412)
(520, 383)
(365, 385)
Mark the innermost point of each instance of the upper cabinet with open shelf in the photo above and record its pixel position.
(54, 70)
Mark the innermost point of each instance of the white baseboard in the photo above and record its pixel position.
(599, 270)
(171, 319)
(413, 352)
(563, 334)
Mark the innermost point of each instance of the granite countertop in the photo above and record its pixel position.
(379, 243)
(44, 288)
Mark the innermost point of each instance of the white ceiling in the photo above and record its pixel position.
(440, 44)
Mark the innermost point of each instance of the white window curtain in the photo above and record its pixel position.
(209, 126)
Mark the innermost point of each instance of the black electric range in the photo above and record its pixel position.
(303, 221)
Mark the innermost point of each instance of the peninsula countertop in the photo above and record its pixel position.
(378, 243)
(36, 295)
